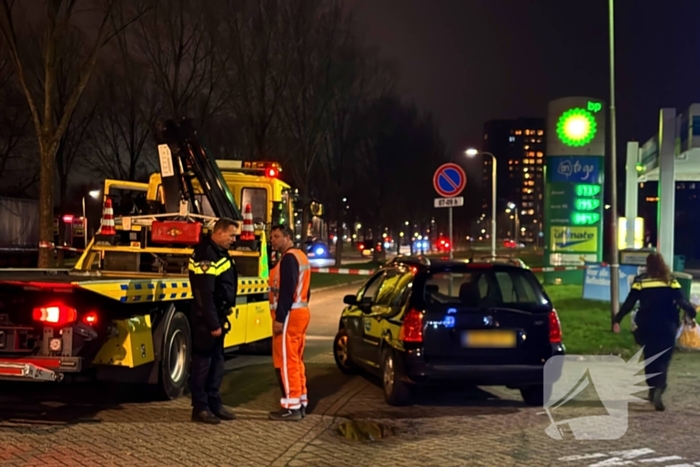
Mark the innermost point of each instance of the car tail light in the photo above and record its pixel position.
(59, 315)
(554, 328)
(412, 327)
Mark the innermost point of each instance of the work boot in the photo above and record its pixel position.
(223, 413)
(303, 411)
(292, 415)
(656, 400)
(205, 416)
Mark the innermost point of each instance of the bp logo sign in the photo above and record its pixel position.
(577, 127)
(574, 239)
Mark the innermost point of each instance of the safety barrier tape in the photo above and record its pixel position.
(361, 272)
(52, 246)
(367, 272)
(558, 268)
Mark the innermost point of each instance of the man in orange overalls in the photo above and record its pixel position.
(289, 305)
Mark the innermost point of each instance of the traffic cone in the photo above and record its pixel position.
(107, 222)
(248, 232)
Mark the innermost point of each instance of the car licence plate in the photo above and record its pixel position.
(492, 339)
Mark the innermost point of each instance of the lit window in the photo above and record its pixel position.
(540, 132)
(539, 154)
(511, 138)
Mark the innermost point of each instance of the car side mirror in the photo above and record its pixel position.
(350, 300)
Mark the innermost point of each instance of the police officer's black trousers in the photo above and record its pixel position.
(657, 340)
(206, 376)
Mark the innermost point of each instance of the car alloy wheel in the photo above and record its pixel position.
(389, 375)
(341, 353)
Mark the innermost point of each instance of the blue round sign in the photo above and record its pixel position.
(449, 180)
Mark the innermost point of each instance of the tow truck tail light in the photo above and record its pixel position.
(90, 318)
(272, 172)
(554, 328)
(412, 327)
(59, 315)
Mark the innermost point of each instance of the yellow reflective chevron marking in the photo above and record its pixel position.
(157, 290)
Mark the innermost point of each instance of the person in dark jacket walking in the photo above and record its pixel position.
(660, 297)
(214, 283)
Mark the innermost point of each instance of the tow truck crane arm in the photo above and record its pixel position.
(182, 158)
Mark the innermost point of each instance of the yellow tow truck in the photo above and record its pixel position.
(121, 314)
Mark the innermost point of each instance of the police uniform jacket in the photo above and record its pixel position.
(214, 284)
(658, 304)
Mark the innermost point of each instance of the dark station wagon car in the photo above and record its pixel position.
(436, 322)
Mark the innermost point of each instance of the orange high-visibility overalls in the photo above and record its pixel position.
(288, 347)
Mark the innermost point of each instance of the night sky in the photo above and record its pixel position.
(468, 61)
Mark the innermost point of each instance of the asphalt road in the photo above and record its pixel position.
(110, 425)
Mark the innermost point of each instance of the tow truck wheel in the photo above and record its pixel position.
(175, 364)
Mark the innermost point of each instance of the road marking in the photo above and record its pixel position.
(611, 461)
(583, 457)
(632, 453)
(662, 459)
(625, 458)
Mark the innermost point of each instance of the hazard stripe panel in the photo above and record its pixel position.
(156, 290)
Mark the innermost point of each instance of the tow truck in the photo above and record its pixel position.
(122, 313)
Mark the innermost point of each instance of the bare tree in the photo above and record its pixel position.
(128, 106)
(359, 79)
(259, 39)
(17, 173)
(50, 121)
(316, 32)
(183, 42)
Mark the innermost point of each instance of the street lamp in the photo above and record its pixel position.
(94, 194)
(514, 208)
(471, 153)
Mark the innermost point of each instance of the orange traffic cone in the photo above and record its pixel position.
(248, 232)
(107, 222)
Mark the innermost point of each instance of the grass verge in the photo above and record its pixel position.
(586, 329)
(586, 326)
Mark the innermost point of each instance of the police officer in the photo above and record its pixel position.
(657, 320)
(289, 305)
(214, 283)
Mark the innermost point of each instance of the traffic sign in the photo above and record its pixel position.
(449, 202)
(449, 180)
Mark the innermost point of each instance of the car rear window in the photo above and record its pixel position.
(484, 288)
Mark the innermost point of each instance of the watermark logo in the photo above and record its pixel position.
(604, 384)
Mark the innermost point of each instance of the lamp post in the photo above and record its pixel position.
(614, 260)
(472, 153)
(94, 194)
(514, 208)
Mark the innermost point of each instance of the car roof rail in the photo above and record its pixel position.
(410, 259)
(499, 259)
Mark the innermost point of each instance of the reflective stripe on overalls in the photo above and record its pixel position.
(288, 348)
